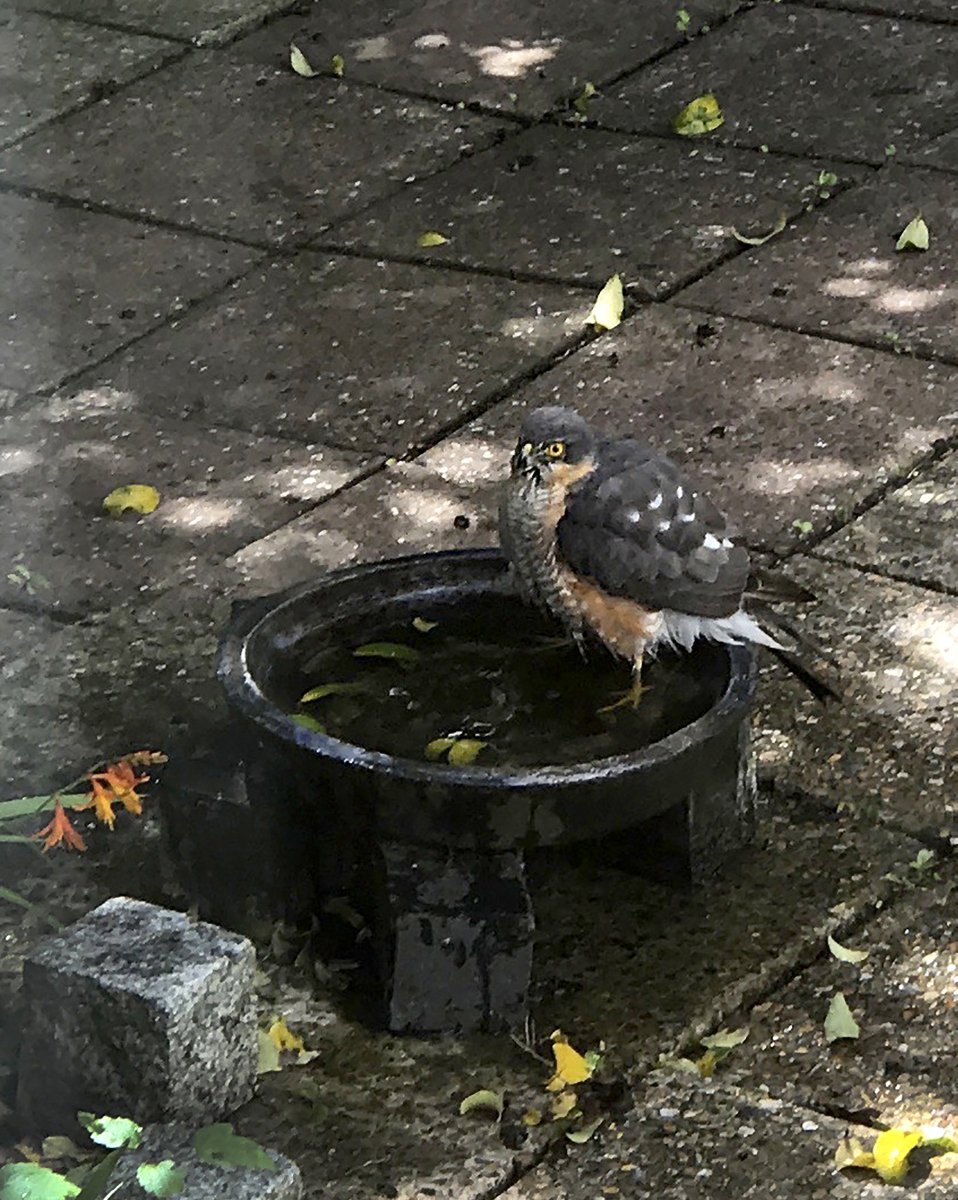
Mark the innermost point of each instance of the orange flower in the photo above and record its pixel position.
(117, 783)
(101, 802)
(60, 830)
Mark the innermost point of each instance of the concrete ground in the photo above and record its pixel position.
(213, 285)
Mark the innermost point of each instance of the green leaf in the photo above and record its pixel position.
(305, 721)
(438, 747)
(160, 1179)
(12, 897)
(332, 689)
(606, 313)
(219, 1146)
(581, 102)
(923, 861)
(95, 1181)
(843, 954)
(803, 526)
(337, 65)
(17, 837)
(394, 650)
(682, 19)
(29, 1181)
(465, 751)
(699, 116)
(780, 222)
(839, 1023)
(268, 1054)
(430, 238)
(421, 625)
(483, 1099)
(580, 1136)
(300, 63)
(28, 806)
(725, 1039)
(914, 236)
(112, 1132)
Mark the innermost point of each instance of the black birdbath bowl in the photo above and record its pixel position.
(431, 855)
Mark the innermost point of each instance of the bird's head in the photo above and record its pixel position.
(553, 441)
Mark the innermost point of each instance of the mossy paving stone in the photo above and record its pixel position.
(912, 533)
(805, 81)
(840, 273)
(688, 1140)
(167, 147)
(889, 749)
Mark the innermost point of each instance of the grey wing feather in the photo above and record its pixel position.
(638, 529)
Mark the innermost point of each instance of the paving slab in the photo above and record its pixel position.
(219, 489)
(685, 1140)
(901, 1069)
(205, 22)
(517, 58)
(51, 66)
(312, 149)
(374, 357)
(942, 153)
(581, 205)
(890, 749)
(841, 274)
(911, 534)
(80, 284)
(801, 80)
(932, 10)
(778, 427)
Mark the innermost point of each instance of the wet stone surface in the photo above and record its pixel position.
(934, 10)
(62, 456)
(911, 534)
(843, 276)
(372, 357)
(797, 79)
(582, 205)
(942, 153)
(51, 66)
(132, 152)
(889, 749)
(81, 284)
(523, 58)
(203, 21)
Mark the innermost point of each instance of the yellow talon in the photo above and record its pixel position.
(632, 697)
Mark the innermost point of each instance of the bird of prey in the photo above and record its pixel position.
(612, 540)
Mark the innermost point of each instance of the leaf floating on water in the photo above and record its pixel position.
(421, 625)
(438, 747)
(394, 650)
(431, 238)
(914, 236)
(780, 222)
(322, 690)
(891, 1150)
(725, 1039)
(606, 313)
(839, 1023)
(135, 497)
(844, 954)
(305, 721)
(300, 63)
(699, 116)
(465, 751)
(483, 1099)
(581, 1136)
(337, 65)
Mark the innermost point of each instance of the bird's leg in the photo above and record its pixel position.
(635, 693)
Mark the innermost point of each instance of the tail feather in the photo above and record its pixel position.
(795, 658)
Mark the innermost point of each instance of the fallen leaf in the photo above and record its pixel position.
(305, 721)
(268, 1054)
(300, 63)
(843, 954)
(63, 1148)
(464, 751)
(337, 64)
(682, 19)
(699, 116)
(422, 625)
(429, 239)
(581, 102)
(780, 222)
(219, 1146)
(160, 1179)
(437, 748)
(394, 650)
(134, 497)
(891, 1150)
(331, 689)
(563, 1105)
(571, 1066)
(112, 1132)
(580, 1136)
(914, 236)
(483, 1099)
(851, 1153)
(803, 526)
(839, 1023)
(606, 313)
(725, 1039)
(532, 1117)
(283, 1037)
(27, 1181)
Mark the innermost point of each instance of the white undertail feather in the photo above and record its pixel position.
(682, 629)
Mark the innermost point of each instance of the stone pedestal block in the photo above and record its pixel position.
(137, 1011)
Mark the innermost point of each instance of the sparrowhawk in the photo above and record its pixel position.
(613, 540)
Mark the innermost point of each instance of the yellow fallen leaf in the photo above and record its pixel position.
(337, 64)
(430, 238)
(844, 954)
(606, 313)
(484, 1098)
(914, 236)
(563, 1105)
(699, 116)
(891, 1150)
(780, 222)
(300, 63)
(851, 1153)
(283, 1037)
(421, 625)
(464, 751)
(581, 102)
(839, 1022)
(437, 748)
(532, 1117)
(571, 1066)
(134, 497)
(580, 1136)
(268, 1059)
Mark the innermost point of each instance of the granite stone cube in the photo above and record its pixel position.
(137, 1011)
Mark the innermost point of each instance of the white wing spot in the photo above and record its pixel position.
(679, 492)
(634, 515)
(727, 544)
(663, 526)
(711, 542)
(687, 517)
(656, 501)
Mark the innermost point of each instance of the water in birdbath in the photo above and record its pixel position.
(485, 685)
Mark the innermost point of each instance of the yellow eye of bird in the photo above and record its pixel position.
(555, 450)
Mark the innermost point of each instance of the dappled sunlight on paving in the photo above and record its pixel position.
(930, 637)
(780, 477)
(512, 59)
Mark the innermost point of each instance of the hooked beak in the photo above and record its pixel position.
(522, 463)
